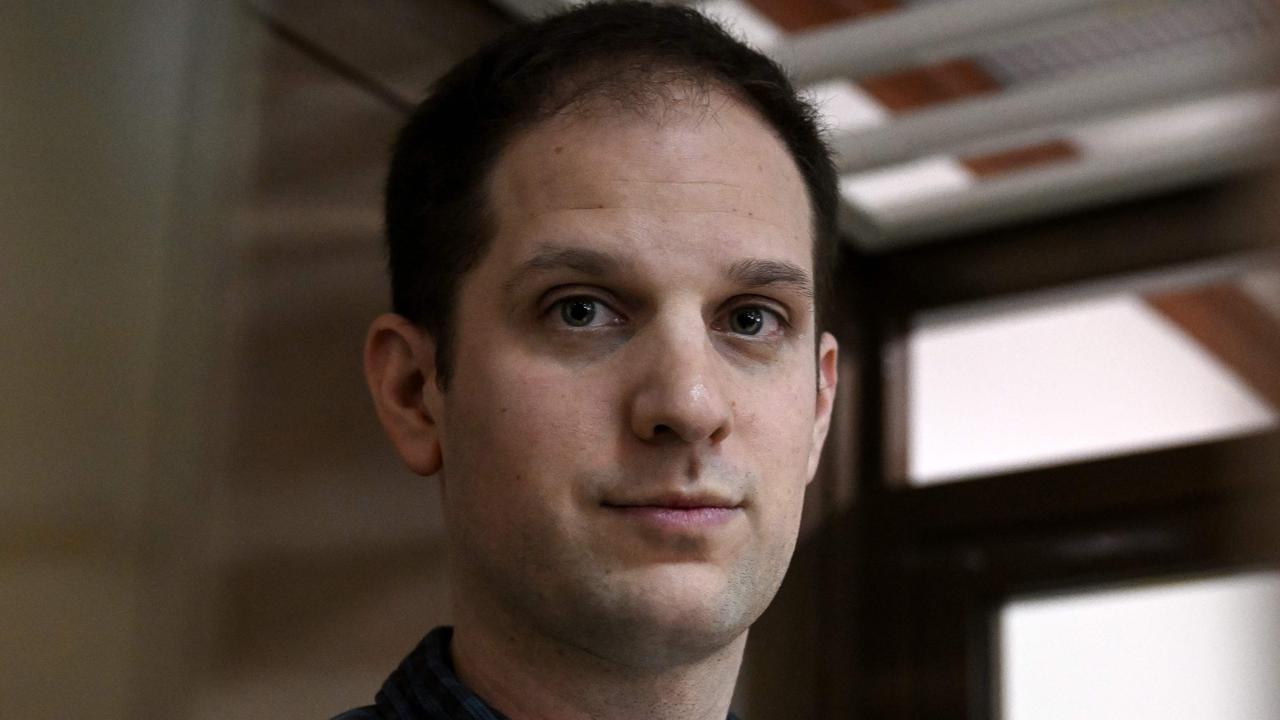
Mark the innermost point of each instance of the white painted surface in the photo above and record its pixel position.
(1196, 121)
(845, 106)
(743, 21)
(1029, 387)
(899, 186)
(1207, 649)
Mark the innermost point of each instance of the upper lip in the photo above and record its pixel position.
(679, 500)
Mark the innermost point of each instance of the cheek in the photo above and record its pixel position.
(774, 431)
(551, 412)
(776, 418)
(520, 426)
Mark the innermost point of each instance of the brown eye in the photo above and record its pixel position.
(746, 321)
(578, 312)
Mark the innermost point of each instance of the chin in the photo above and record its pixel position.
(674, 614)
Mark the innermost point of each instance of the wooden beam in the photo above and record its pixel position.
(925, 86)
(801, 15)
(1187, 474)
(1165, 232)
(1018, 159)
(1232, 326)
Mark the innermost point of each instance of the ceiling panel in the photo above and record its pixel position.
(913, 90)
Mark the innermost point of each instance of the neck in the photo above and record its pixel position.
(527, 676)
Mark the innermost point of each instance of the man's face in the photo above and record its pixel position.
(634, 411)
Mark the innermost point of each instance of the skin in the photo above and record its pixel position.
(571, 453)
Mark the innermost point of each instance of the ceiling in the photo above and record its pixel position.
(950, 116)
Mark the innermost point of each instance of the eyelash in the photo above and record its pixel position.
(555, 310)
(779, 320)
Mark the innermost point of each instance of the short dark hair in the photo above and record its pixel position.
(437, 220)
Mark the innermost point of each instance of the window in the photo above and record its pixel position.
(1188, 650)
(1033, 384)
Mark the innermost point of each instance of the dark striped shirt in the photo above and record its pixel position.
(425, 687)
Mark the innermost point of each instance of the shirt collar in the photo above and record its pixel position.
(425, 686)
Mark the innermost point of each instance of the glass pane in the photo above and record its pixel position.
(999, 389)
(1195, 650)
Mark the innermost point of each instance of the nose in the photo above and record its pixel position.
(680, 393)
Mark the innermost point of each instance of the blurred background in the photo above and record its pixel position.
(1053, 486)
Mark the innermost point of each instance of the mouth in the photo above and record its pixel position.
(678, 511)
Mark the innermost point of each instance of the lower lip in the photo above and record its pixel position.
(680, 518)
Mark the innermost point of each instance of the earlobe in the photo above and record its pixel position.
(399, 367)
(828, 379)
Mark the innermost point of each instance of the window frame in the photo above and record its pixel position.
(912, 578)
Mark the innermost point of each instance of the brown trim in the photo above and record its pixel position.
(920, 573)
(1229, 323)
(915, 88)
(1152, 234)
(1014, 160)
(1048, 496)
(934, 565)
(801, 15)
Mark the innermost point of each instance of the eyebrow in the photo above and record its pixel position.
(751, 272)
(557, 257)
(766, 273)
(583, 260)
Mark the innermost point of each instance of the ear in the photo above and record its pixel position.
(828, 377)
(400, 368)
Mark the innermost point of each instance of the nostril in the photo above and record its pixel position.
(659, 430)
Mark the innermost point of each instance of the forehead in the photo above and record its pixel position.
(703, 173)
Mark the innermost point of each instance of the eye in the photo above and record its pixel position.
(578, 312)
(582, 311)
(752, 320)
(746, 320)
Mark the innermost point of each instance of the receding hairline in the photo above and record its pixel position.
(620, 57)
(638, 84)
(612, 89)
